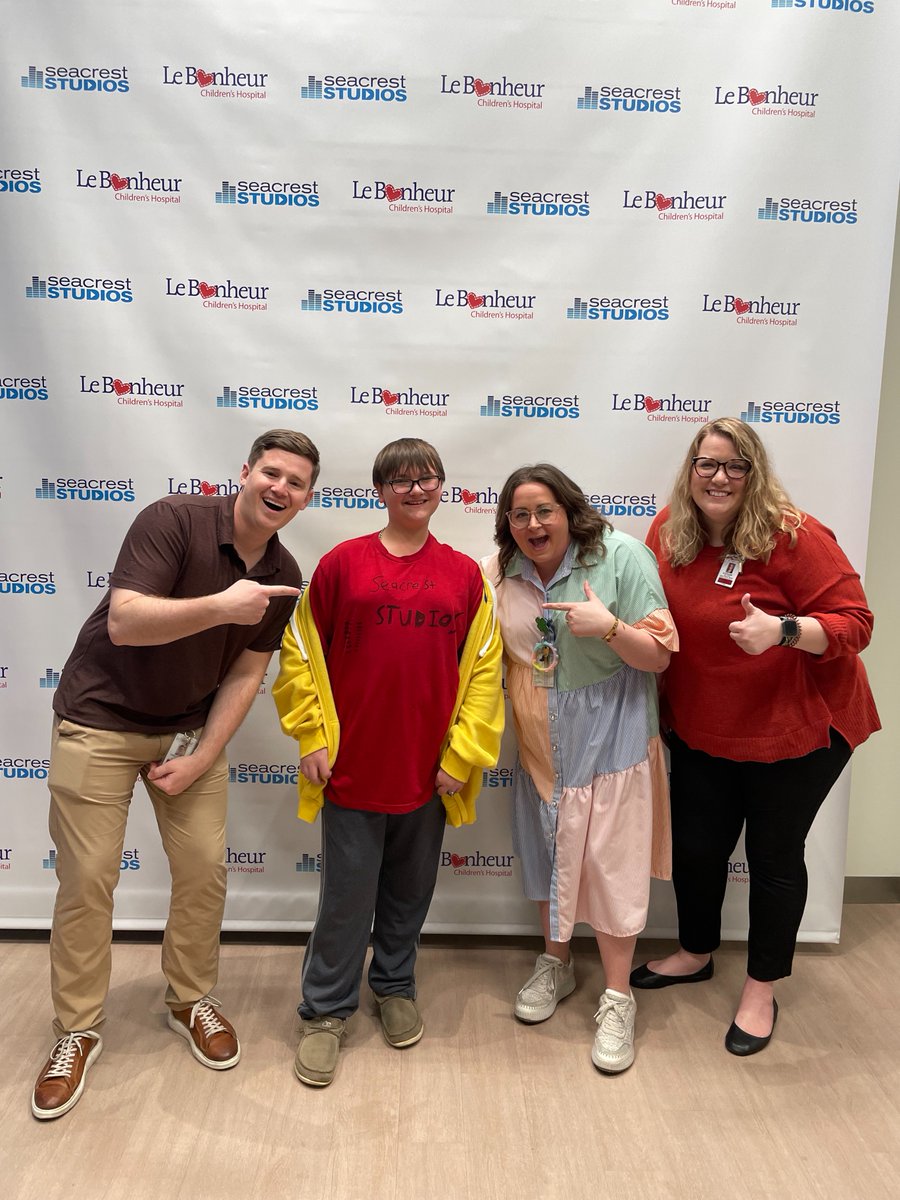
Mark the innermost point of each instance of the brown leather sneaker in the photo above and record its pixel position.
(211, 1037)
(61, 1081)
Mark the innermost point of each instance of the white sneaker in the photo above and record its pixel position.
(551, 982)
(613, 1049)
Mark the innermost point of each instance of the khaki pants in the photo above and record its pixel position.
(91, 780)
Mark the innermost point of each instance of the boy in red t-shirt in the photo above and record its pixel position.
(390, 681)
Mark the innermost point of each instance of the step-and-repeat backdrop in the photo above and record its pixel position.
(522, 231)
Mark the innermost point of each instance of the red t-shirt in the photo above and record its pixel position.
(392, 630)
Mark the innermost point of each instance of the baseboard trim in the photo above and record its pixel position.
(872, 889)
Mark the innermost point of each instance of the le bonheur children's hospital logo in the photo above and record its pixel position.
(250, 297)
(504, 92)
(224, 83)
(662, 406)
(407, 197)
(676, 206)
(484, 305)
(132, 189)
(139, 392)
(761, 311)
(782, 100)
(404, 402)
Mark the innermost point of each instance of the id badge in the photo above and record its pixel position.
(729, 570)
(544, 655)
(182, 745)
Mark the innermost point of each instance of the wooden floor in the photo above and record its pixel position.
(484, 1106)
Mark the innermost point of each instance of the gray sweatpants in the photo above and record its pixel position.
(378, 875)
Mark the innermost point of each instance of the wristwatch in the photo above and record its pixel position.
(790, 629)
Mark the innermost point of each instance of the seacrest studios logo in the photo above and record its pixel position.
(21, 767)
(91, 490)
(761, 311)
(406, 401)
(497, 777)
(662, 406)
(269, 193)
(793, 412)
(629, 98)
(368, 89)
(309, 863)
(495, 305)
(832, 7)
(622, 504)
(677, 206)
(94, 81)
(248, 297)
(345, 496)
(619, 308)
(27, 583)
(224, 83)
(515, 203)
(407, 197)
(89, 288)
(805, 210)
(134, 393)
(531, 407)
(49, 680)
(782, 100)
(24, 387)
(365, 302)
(254, 398)
(496, 93)
(476, 862)
(19, 180)
(132, 189)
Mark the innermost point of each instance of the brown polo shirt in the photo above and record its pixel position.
(180, 546)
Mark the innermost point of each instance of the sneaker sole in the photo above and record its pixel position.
(183, 1031)
(410, 1041)
(606, 1069)
(313, 1082)
(535, 1016)
(49, 1114)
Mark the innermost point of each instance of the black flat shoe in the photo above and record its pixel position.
(741, 1043)
(643, 977)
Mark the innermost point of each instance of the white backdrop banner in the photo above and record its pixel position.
(522, 231)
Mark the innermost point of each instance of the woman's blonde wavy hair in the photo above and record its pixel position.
(766, 510)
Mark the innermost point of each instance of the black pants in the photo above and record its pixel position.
(378, 875)
(712, 799)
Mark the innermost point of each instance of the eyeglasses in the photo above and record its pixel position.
(428, 483)
(520, 518)
(734, 468)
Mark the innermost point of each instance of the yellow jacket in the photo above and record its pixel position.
(302, 695)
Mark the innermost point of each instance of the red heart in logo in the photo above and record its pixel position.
(481, 88)
(118, 182)
(474, 301)
(122, 389)
(208, 489)
(741, 306)
(391, 192)
(390, 397)
(663, 201)
(204, 78)
(757, 97)
(652, 405)
(457, 860)
(207, 290)
(469, 497)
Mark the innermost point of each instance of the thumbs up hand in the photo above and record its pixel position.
(758, 631)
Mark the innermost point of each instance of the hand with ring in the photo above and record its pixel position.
(446, 785)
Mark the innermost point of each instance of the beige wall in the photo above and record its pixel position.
(874, 841)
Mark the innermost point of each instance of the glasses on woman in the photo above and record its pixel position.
(428, 483)
(544, 514)
(734, 468)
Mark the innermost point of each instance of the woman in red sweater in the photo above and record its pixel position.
(764, 703)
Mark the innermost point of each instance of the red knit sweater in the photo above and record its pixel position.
(779, 704)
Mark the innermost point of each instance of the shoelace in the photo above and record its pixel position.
(62, 1056)
(204, 1011)
(606, 1008)
(542, 981)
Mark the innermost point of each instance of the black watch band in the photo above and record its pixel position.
(790, 629)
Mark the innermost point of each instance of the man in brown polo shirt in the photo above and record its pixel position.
(167, 664)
